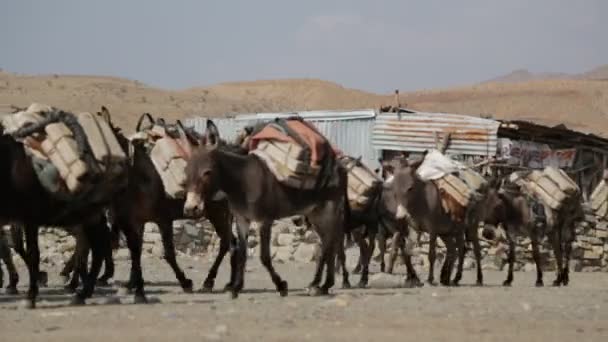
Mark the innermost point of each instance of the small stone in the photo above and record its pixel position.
(529, 267)
(526, 306)
(310, 237)
(385, 281)
(339, 301)
(152, 238)
(591, 255)
(221, 329)
(283, 253)
(112, 300)
(285, 239)
(306, 252)
(122, 254)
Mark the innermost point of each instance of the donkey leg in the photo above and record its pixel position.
(109, 269)
(220, 217)
(537, 261)
(266, 259)
(510, 260)
(13, 275)
(68, 268)
(448, 263)
(341, 264)
(557, 251)
(33, 263)
(367, 256)
(240, 255)
(382, 248)
(166, 232)
(393, 253)
(97, 238)
(224, 248)
(567, 253)
(461, 254)
(477, 251)
(432, 256)
(134, 243)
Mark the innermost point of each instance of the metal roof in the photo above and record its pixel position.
(416, 132)
(317, 115)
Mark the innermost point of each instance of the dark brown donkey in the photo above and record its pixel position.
(144, 200)
(506, 205)
(256, 197)
(25, 200)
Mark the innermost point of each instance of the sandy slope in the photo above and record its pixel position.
(580, 103)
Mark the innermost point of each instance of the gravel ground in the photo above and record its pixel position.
(491, 313)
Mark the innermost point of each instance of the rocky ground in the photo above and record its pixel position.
(383, 311)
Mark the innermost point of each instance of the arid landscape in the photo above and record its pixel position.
(578, 101)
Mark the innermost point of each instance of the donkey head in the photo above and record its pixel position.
(404, 182)
(201, 173)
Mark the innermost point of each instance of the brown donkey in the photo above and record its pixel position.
(257, 198)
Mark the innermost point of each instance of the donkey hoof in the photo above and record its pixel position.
(140, 299)
(539, 283)
(507, 283)
(557, 282)
(283, 288)
(455, 282)
(431, 282)
(362, 284)
(77, 300)
(346, 285)
(11, 291)
(64, 279)
(479, 283)
(187, 285)
(565, 281)
(43, 279)
(234, 294)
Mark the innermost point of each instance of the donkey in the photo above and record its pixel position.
(7, 259)
(26, 201)
(144, 200)
(380, 213)
(519, 215)
(419, 202)
(256, 197)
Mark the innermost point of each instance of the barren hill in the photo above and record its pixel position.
(579, 103)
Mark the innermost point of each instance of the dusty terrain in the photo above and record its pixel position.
(579, 101)
(491, 313)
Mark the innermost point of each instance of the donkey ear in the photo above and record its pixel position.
(212, 133)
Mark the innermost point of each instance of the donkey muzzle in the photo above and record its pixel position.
(401, 212)
(194, 205)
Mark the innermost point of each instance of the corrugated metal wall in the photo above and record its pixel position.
(352, 135)
(415, 132)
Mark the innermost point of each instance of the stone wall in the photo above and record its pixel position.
(293, 242)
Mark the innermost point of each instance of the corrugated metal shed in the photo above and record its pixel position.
(415, 132)
(350, 131)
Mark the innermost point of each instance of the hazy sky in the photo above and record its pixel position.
(373, 45)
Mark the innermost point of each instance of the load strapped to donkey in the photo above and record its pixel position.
(552, 187)
(170, 147)
(461, 187)
(76, 157)
(296, 153)
(599, 199)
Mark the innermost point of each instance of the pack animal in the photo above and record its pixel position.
(256, 197)
(508, 207)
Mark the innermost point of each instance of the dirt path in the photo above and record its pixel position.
(492, 313)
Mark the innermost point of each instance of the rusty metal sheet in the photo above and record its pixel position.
(416, 132)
